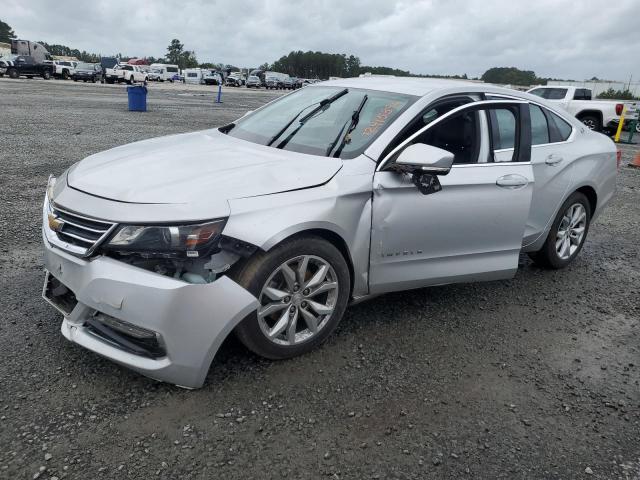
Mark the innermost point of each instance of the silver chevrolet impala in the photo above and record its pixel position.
(271, 226)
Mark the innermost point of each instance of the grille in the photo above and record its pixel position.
(79, 231)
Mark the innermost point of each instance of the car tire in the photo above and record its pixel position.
(46, 75)
(93, 79)
(553, 254)
(264, 271)
(65, 75)
(13, 73)
(592, 122)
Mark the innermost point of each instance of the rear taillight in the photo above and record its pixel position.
(619, 107)
(618, 158)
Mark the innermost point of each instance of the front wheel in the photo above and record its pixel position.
(13, 73)
(65, 75)
(567, 234)
(303, 288)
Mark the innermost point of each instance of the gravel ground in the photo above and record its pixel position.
(537, 377)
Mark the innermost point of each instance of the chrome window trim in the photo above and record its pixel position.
(569, 139)
(488, 164)
(450, 113)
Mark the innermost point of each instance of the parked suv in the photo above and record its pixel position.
(91, 72)
(253, 82)
(272, 83)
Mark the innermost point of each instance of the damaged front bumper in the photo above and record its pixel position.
(164, 328)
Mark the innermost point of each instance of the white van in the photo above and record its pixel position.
(193, 75)
(164, 71)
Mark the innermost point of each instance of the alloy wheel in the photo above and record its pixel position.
(590, 123)
(297, 300)
(571, 231)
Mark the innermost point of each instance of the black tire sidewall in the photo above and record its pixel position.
(596, 122)
(257, 270)
(549, 249)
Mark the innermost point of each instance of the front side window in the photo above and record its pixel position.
(323, 131)
(459, 135)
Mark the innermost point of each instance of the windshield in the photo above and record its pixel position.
(320, 131)
(85, 66)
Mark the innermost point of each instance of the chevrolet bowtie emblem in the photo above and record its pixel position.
(55, 223)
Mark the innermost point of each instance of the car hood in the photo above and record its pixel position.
(197, 167)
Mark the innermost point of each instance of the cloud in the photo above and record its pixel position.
(556, 38)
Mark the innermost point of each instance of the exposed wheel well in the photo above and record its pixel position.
(590, 113)
(334, 239)
(591, 195)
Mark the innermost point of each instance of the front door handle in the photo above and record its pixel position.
(512, 181)
(553, 159)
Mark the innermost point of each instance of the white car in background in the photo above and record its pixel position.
(272, 225)
(64, 68)
(164, 71)
(598, 115)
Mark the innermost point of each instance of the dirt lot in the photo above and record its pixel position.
(538, 377)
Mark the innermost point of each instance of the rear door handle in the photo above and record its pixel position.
(553, 159)
(512, 181)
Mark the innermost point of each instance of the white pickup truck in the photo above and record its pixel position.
(598, 115)
(64, 68)
(125, 73)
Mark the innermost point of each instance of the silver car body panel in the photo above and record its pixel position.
(471, 230)
(193, 320)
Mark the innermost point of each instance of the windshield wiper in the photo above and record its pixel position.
(322, 106)
(355, 118)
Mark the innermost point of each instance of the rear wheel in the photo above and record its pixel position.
(303, 288)
(46, 75)
(567, 234)
(65, 75)
(592, 122)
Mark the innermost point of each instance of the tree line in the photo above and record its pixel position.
(308, 64)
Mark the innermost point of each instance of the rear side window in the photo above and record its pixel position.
(172, 69)
(582, 94)
(539, 126)
(562, 129)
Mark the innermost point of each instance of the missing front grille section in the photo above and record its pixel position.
(59, 295)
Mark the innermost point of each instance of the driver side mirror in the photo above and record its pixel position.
(424, 163)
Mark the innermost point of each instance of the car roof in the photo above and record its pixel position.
(407, 85)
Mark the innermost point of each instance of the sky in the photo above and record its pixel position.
(555, 38)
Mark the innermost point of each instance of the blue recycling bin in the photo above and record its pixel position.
(137, 98)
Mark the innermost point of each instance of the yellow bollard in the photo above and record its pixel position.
(617, 137)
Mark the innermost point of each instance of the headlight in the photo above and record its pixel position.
(51, 183)
(168, 241)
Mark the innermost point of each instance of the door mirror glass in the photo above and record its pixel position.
(422, 158)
